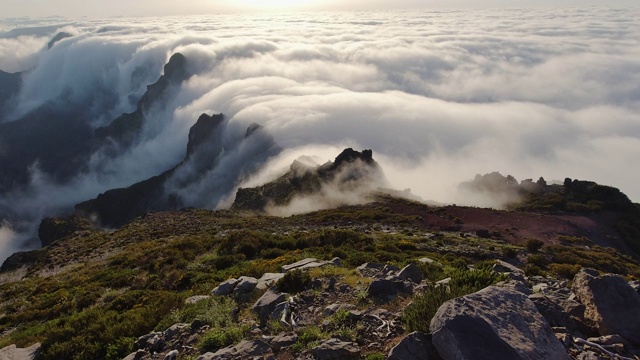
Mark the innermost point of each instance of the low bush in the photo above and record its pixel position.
(294, 281)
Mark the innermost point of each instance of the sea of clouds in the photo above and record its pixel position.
(438, 95)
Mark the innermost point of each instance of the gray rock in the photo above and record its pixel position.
(516, 285)
(176, 329)
(283, 340)
(611, 304)
(334, 308)
(384, 287)
(245, 285)
(196, 299)
(310, 263)
(141, 343)
(411, 272)
(493, 323)
(504, 267)
(246, 349)
(635, 284)
(172, 355)
(334, 349)
(266, 304)
(225, 288)
(443, 282)
(268, 280)
(12, 352)
(156, 343)
(427, 260)
(133, 356)
(590, 355)
(541, 288)
(415, 346)
(552, 312)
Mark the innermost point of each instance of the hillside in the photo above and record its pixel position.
(92, 293)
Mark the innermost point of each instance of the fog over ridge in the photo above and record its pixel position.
(438, 95)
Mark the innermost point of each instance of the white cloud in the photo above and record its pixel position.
(438, 95)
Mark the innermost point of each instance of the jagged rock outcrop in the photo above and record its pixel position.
(116, 207)
(612, 305)
(124, 129)
(493, 323)
(351, 171)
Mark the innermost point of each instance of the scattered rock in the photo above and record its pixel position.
(172, 355)
(552, 312)
(411, 272)
(12, 352)
(283, 340)
(334, 308)
(504, 267)
(612, 306)
(245, 285)
(334, 349)
(493, 323)
(415, 346)
(225, 288)
(267, 304)
(245, 350)
(268, 280)
(310, 263)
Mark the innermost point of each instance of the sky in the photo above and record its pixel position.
(99, 8)
(439, 95)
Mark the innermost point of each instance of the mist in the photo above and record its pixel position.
(438, 95)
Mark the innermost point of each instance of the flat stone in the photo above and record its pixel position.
(334, 349)
(268, 280)
(12, 352)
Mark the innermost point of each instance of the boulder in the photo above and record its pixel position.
(268, 280)
(612, 306)
(13, 352)
(172, 355)
(283, 340)
(411, 272)
(267, 304)
(504, 267)
(415, 346)
(334, 349)
(133, 356)
(493, 323)
(552, 312)
(384, 287)
(225, 288)
(245, 285)
(176, 329)
(369, 269)
(245, 350)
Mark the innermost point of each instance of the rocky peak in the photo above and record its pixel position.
(176, 68)
(201, 131)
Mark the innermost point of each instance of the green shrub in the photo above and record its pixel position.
(375, 356)
(508, 252)
(538, 260)
(216, 312)
(532, 270)
(218, 338)
(534, 245)
(417, 317)
(566, 271)
(294, 281)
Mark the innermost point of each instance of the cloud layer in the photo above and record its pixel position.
(438, 95)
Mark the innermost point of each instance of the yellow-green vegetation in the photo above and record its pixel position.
(91, 294)
(418, 315)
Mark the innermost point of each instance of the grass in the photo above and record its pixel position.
(87, 296)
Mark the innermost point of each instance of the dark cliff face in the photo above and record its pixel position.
(351, 171)
(204, 173)
(125, 129)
